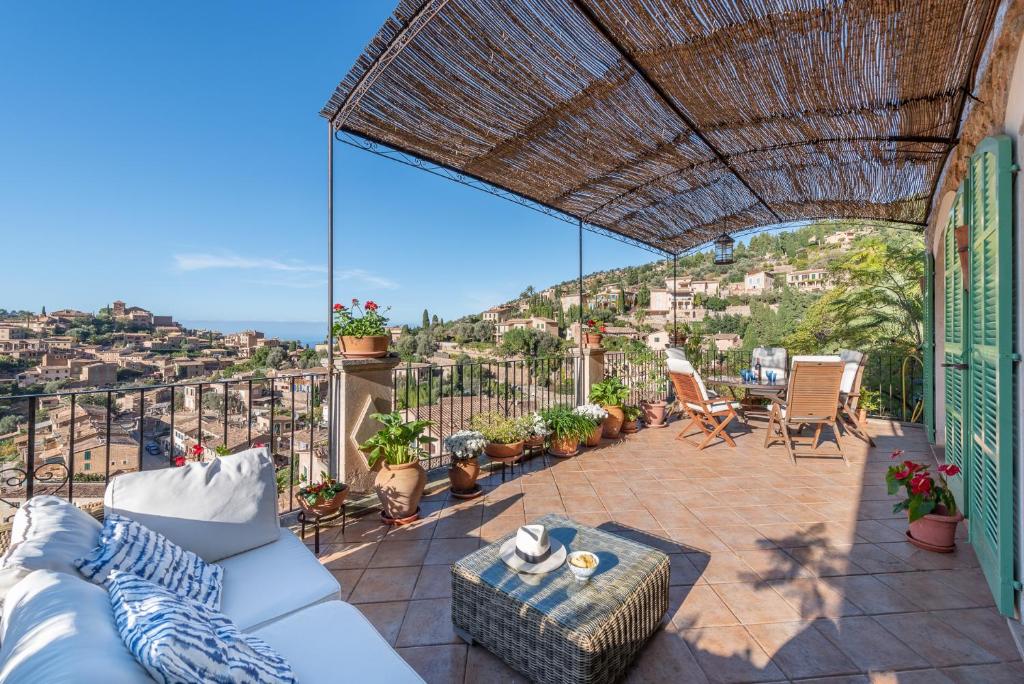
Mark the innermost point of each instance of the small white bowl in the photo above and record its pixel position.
(582, 574)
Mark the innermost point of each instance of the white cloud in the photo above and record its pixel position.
(199, 261)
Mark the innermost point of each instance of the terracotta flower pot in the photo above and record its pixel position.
(369, 347)
(654, 413)
(594, 438)
(324, 508)
(504, 452)
(463, 474)
(592, 340)
(613, 423)
(935, 531)
(630, 427)
(563, 447)
(534, 442)
(400, 489)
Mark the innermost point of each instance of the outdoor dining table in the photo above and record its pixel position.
(741, 389)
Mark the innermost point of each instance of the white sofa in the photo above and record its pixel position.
(57, 626)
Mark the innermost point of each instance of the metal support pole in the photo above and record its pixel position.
(675, 304)
(332, 464)
(579, 374)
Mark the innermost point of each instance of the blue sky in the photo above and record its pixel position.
(171, 155)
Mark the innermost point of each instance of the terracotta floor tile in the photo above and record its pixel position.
(447, 551)
(720, 515)
(773, 564)
(875, 559)
(755, 603)
(434, 581)
(386, 617)
(801, 651)
(697, 538)
(986, 627)
(398, 553)
(437, 664)
(870, 645)
(826, 561)
(641, 520)
(428, 622)
(762, 515)
(739, 537)
(347, 556)
(730, 654)
(937, 642)
(722, 566)
(701, 606)
(665, 658)
(870, 595)
(385, 584)
(582, 503)
(348, 580)
(537, 506)
(925, 589)
(622, 502)
(483, 666)
(814, 598)
(682, 570)
(1001, 673)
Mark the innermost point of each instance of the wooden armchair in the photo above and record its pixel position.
(849, 393)
(710, 416)
(812, 399)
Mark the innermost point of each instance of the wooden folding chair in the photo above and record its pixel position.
(849, 393)
(812, 399)
(709, 416)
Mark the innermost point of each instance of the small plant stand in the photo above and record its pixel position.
(315, 520)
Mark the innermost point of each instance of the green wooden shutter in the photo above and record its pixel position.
(991, 327)
(953, 355)
(929, 345)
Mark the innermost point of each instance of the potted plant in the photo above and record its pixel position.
(567, 428)
(649, 369)
(631, 424)
(611, 394)
(465, 447)
(593, 332)
(595, 415)
(930, 505)
(361, 330)
(323, 498)
(505, 436)
(537, 430)
(398, 448)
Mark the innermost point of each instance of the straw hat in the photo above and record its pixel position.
(533, 551)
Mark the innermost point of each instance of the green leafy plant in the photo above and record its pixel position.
(364, 320)
(498, 429)
(565, 424)
(398, 442)
(609, 392)
(923, 493)
(222, 450)
(324, 490)
(632, 412)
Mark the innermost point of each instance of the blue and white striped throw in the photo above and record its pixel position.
(129, 546)
(177, 639)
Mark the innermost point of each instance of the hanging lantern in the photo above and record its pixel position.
(723, 249)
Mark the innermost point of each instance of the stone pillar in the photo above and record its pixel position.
(593, 370)
(361, 387)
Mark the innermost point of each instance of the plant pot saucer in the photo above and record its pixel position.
(566, 455)
(476, 491)
(930, 547)
(662, 424)
(400, 521)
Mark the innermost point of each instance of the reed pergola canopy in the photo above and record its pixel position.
(669, 122)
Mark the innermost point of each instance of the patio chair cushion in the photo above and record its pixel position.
(180, 640)
(48, 533)
(272, 581)
(57, 627)
(128, 546)
(340, 633)
(772, 359)
(852, 359)
(215, 509)
(717, 406)
(676, 365)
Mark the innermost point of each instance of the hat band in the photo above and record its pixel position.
(529, 558)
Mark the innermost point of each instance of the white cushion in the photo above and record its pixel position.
(48, 533)
(215, 509)
(679, 365)
(127, 545)
(675, 353)
(58, 628)
(823, 358)
(179, 640)
(852, 359)
(336, 632)
(274, 580)
(716, 406)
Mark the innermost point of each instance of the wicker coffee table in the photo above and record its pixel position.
(551, 627)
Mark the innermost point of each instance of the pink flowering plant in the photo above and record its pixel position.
(360, 320)
(923, 491)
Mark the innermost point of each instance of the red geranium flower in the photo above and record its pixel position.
(371, 305)
(338, 307)
(258, 445)
(950, 469)
(913, 467)
(355, 302)
(197, 450)
(604, 328)
(590, 322)
(179, 461)
(896, 454)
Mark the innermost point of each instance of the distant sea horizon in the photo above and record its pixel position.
(308, 333)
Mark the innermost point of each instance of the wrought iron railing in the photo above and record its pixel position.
(73, 442)
(450, 395)
(643, 372)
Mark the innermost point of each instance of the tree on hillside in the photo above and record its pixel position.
(643, 296)
(528, 342)
(483, 331)
(426, 319)
(877, 301)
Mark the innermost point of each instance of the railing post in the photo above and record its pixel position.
(361, 387)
